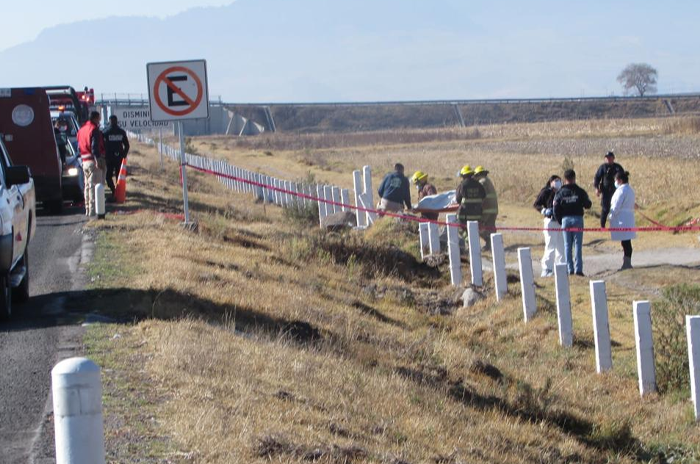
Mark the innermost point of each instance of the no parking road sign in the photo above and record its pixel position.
(178, 91)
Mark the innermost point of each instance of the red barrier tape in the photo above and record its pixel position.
(658, 228)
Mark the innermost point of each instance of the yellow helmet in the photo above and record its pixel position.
(480, 169)
(466, 170)
(418, 176)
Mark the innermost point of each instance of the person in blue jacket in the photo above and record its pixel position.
(395, 191)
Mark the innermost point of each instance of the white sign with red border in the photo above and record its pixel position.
(177, 90)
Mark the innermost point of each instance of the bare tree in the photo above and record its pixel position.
(638, 77)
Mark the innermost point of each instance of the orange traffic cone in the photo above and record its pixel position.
(120, 191)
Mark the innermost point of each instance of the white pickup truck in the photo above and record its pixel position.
(17, 226)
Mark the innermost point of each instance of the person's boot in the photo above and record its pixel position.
(626, 263)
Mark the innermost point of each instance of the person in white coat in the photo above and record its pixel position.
(622, 216)
(553, 237)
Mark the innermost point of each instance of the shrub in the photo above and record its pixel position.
(670, 344)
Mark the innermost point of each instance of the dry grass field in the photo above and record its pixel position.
(259, 338)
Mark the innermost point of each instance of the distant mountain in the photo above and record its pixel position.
(330, 50)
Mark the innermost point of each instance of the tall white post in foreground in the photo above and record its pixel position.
(692, 327)
(367, 181)
(561, 280)
(359, 190)
(453, 251)
(475, 254)
(434, 238)
(645, 347)
(77, 407)
(527, 283)
(601, 328)
(423, 233)
(500, 279)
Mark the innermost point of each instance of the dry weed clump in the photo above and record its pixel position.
(273, 342)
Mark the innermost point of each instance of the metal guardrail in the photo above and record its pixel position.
(144, 101)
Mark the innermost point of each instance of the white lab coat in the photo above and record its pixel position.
(622, 213)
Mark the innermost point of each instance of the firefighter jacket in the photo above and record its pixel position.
(470, 197)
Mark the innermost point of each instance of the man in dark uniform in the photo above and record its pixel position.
(117, 146)
(604, 183)
(470, 198)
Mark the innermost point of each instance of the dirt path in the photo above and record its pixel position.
(597, 265)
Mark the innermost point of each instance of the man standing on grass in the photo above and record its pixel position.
(395, 191)
(604, 183)
(568, 205)
(490, 207)
(117, 146)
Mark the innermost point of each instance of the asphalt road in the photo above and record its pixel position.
(39, 334)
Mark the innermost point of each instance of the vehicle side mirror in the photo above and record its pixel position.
(16, 175)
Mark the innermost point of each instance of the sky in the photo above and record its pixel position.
(30, 17)
(357, 50)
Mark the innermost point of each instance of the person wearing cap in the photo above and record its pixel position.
(394, 191)
(490, 206)
(425, 189)
(470, 198)
(604, 183)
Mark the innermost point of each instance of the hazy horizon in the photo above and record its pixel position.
(386, 50)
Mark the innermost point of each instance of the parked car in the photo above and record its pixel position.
(30, 140)
(17, 227)
(73, 181)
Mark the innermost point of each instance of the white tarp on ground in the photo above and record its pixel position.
(437, 202)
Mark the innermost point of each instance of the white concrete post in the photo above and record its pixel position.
(345, 199)
(367, 181)
(77, 409)
(433, 238)
(288, 198)
(692, 327)
(100, 209)
(278, 194)
(328, 195)
(336, 199)
(499, 266)
(561, 280)
(601, 327)
(359, 190)
(527, 283)
(475, 254)
(453, 250)
(320, 193)
(424, 238)
(645, 347)
(366, 203)
(259, 192)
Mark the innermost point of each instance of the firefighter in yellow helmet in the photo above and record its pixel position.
(470, 197)
(490, 211)
(425, 188)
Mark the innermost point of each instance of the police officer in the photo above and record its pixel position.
(604, 183)
(117, 146)
(470, 197)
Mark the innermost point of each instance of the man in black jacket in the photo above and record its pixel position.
(604, 183)
(117, 147)
(568, 205)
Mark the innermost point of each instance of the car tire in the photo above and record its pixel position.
(21, 293)
(5, 297)
(55, 206)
